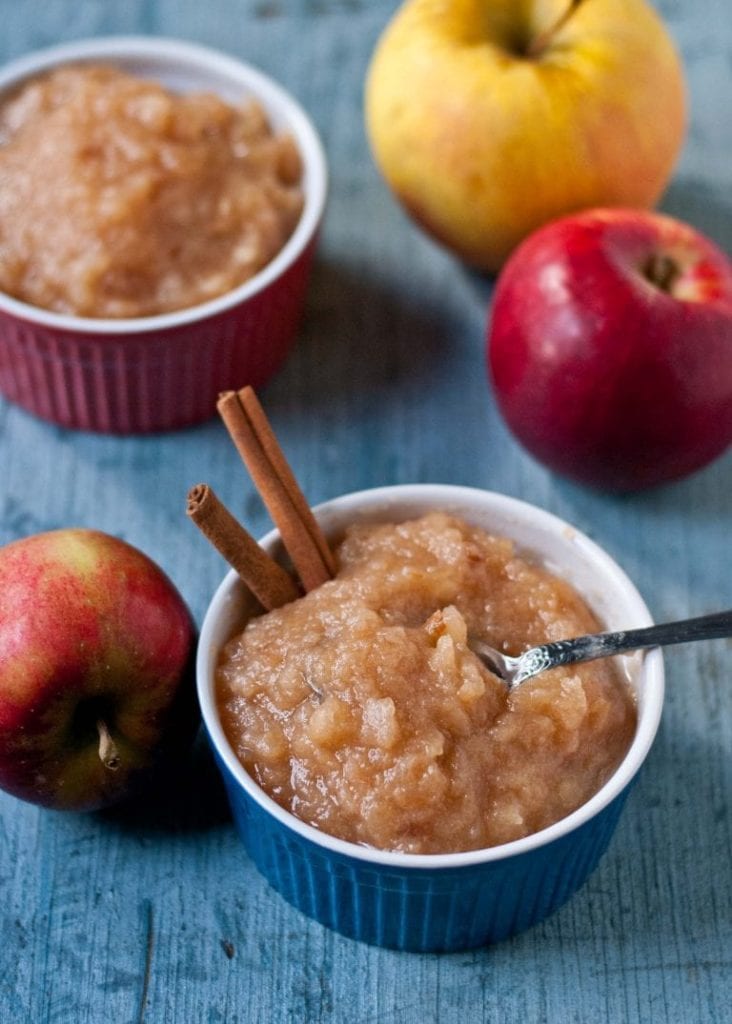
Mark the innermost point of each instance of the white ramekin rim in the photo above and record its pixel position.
(443, 496)
(263, 88)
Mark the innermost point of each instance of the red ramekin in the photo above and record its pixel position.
(160, 372)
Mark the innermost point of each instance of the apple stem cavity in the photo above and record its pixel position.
(108, 753)
(540, 43)
(662, 271)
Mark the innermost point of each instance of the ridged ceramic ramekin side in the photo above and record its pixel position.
(138, 383)
(424, 910)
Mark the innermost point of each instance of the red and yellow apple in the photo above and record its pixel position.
(610, 348)
(489, 119)
(96, 669)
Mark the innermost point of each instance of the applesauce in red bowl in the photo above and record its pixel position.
(177, 301)
(121, 198)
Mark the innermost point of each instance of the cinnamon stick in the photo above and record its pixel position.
(267, 580)
(276, 456)
(255, 441)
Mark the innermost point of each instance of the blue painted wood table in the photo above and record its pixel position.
(156, 914)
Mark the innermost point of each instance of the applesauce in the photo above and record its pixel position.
(361, 709)
(119, 198)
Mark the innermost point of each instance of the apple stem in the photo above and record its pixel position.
(662, 271)
(537, 46)
(108, 753)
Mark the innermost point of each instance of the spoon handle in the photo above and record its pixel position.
(601, 645)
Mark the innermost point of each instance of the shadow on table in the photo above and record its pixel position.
(361, 334)
(660, 898)
(190, 798)
(707, 491)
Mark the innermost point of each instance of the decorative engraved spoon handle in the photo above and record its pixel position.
(602, 645)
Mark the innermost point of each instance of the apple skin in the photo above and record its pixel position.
(89, 628)
(604, 376)
(482, 144)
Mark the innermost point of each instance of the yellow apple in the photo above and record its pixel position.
(490, 117)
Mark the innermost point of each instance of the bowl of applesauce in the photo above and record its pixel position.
(161, 204)
(384, 781)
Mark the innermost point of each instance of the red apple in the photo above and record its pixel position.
(610, 348)
(96, 669)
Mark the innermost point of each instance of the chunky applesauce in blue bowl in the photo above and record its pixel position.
(381, 778)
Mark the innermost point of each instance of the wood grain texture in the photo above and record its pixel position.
(155, 914)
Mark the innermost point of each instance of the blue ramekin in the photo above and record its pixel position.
(439, 902)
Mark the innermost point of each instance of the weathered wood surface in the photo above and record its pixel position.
(157, 915)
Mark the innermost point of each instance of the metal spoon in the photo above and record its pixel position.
(598, 645)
